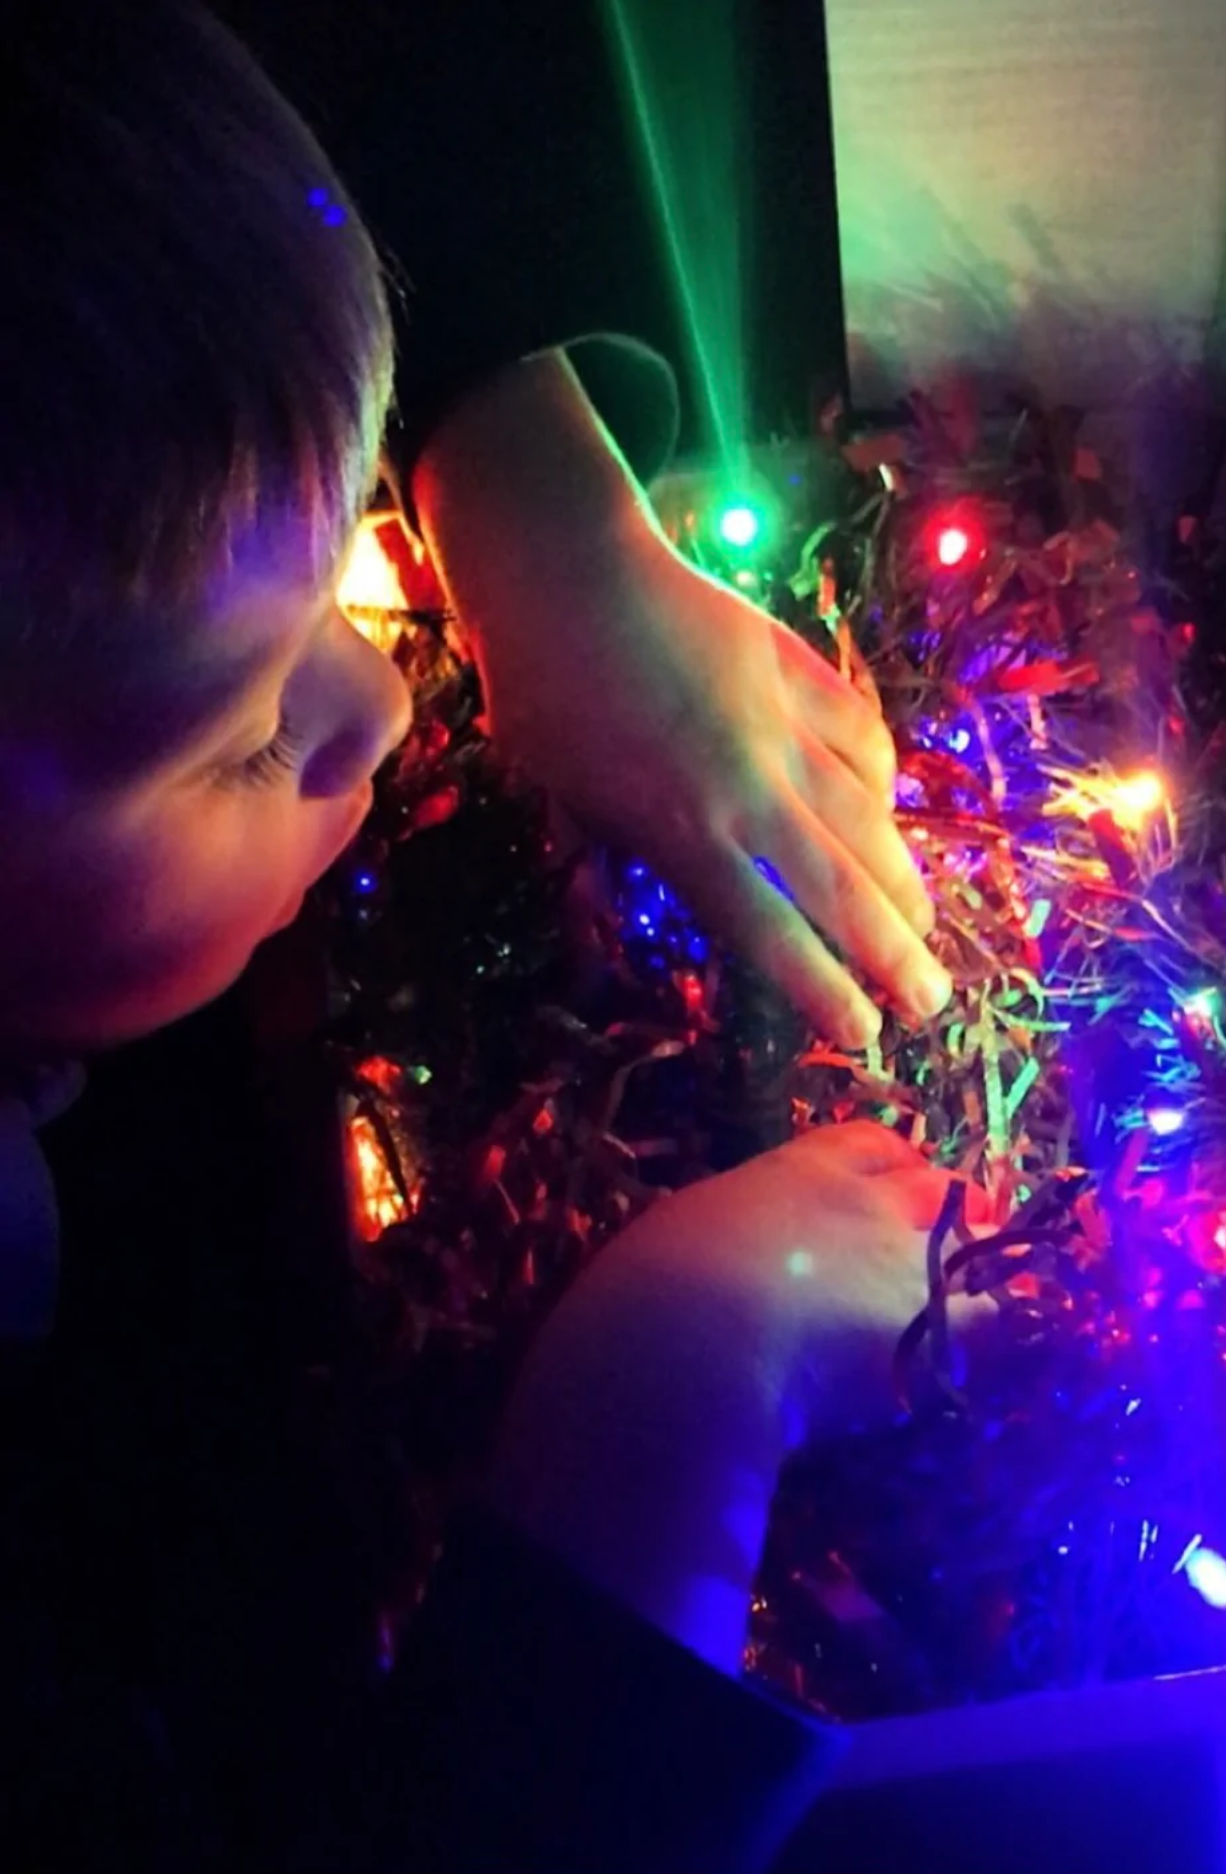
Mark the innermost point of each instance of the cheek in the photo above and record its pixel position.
(130, 934)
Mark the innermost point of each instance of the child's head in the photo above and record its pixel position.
(195, 367)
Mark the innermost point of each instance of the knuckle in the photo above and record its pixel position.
(847, 895)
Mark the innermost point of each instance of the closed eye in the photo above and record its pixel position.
(274, 762)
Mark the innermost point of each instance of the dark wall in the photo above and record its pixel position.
(796, 337)
(350, 64)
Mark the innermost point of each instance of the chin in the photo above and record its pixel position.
(74, 1031)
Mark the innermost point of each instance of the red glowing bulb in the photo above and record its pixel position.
(953, 545)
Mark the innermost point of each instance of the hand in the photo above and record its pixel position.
(669, 714)
(729, 1324)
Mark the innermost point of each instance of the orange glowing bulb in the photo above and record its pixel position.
(370, 581)
(378, 1201)
(1134, 797)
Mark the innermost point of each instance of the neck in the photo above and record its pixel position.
(29, 1229)
(46, 1086)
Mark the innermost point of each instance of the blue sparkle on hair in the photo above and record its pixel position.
(366, 883)
(334, 217)
(317, 198)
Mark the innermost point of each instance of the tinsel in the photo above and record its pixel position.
(532, 1045)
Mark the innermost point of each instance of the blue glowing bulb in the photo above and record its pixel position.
(366, 883)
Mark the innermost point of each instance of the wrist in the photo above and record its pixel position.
(642, 1451)
(524, 469)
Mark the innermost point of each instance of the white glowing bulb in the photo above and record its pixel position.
(1202, 1005)
(1206, 1570)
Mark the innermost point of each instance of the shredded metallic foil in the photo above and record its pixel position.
(531, 1050)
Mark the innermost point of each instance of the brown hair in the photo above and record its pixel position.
(194, 329)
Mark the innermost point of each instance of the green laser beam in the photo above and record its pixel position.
(687, 109)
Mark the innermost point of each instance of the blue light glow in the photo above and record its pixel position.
(772, 877)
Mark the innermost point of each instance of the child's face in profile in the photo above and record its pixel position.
(136, 890)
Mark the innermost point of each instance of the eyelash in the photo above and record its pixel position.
(274, 761)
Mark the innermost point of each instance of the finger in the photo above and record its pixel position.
(868, 1171)
(839, 716)
(724, 889)
(832, 887)
(862, 1147)
(918, 1195)
(841, 800)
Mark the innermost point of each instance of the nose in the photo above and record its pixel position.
(369, 714)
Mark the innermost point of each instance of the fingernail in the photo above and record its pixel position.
(860, 1029)
(932, 990)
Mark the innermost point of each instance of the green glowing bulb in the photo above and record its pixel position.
(739, 526)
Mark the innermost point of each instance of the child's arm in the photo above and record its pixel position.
(665, 710)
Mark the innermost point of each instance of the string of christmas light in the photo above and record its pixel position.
(532, 1051)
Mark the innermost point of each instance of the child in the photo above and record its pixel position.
(195, 367)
